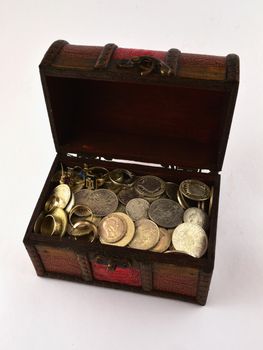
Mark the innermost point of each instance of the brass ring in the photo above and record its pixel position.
(117, 177)
(51, 203)
(89, 227)
(182, 201)
(77, 209)
(50, 225)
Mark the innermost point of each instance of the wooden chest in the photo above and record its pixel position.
(168, 114)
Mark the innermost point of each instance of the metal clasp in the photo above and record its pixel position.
(146, 65)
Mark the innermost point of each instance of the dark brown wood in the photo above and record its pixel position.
(105, 56)
(203, 287)
(146, 276)
(196, 112)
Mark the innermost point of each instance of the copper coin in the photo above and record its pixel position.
(164, 241)
(146, 236)
(112, 228)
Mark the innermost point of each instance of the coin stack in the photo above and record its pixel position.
(122, 209)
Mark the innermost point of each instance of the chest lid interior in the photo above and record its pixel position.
(180, 119)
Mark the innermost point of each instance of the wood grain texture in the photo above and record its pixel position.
(203, 287)
(59, 260)
(146, 276)
(85, 267)
(36, 260)
(173, 279)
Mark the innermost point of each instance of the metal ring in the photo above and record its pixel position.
(80, 207)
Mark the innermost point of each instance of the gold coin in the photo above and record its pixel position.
(190, 239)
(112, 228)
(195, 190)
(164, 241)
(129, 234)
(146, 236)
(52, 202)
(63, 192)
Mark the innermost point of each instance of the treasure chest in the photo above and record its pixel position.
(165, 115)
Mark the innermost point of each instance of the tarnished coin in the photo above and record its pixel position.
(190, 239)
(171, 190)
(164, 241)
(112, 228)
(137, 208)
(181, 200)
(63, 192)
(126, 194)
(81, 197)
(149, 186)
(102, 202)
(121, 208)
(146, 236)
(129, 234)
(196, 216)
(195, 190)
(166, 213)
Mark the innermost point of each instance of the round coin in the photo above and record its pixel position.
(146, 236)
(137, 208)
(126, 194)
(81, 197)
(166, 213)
(129, 234)
(196, 216)
(164, 241)
(63, 192)
(102, 202)
(195, 190)
(112, 228)
(190, 239)
(149, 186)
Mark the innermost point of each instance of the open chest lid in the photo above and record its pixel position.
(160, 107)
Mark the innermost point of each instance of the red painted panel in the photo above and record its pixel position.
(59, 260)
(129, 276)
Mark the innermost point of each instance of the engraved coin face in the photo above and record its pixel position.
(196, 216)
(195, 190)
(190, 239)
(166, 213)
(81, 197)
(126, 194)
(62, 192)
(171, 190)
(102, 202)
(164, 241)
(149, 186)
(112, 228)
(137, 208)
(146, 236)
(129, 234)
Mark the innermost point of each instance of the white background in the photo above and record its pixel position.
(39, 313)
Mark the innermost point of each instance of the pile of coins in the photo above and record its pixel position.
(119, 208)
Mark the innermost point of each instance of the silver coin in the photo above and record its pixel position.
(149, 186)
(102, 202)
(171, 190)
(196, 216)
(190, 239)
(126, 194)
(146, 236)
(137, 208)
(81, 197)
(166, 213)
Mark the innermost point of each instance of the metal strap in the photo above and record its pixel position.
(105, 56)
(172, 59)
